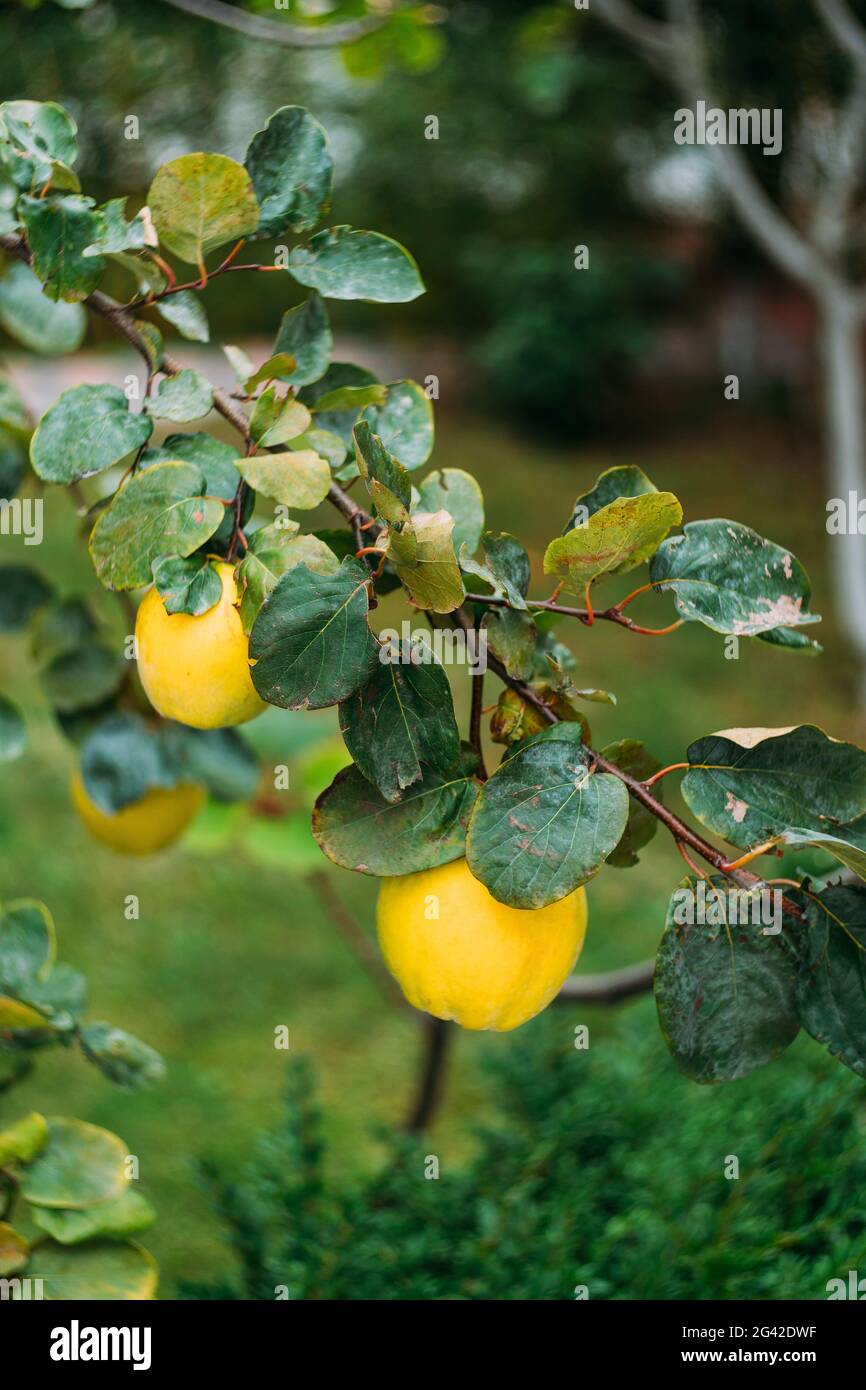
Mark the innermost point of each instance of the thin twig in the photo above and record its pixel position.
(608, 988)
(437, 1036)
(355, 937)
(254, 26)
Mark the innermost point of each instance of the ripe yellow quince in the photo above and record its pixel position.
(197, 670)
(145, 826)
(459, 954)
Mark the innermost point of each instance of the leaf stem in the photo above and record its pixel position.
(657, 776)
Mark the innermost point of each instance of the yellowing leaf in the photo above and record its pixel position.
(431, 575)
(297, 479)
(616, 539)
(201, 201)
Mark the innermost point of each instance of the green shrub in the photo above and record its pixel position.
(564, 345)
(602, 1168)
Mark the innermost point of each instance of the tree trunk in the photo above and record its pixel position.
(846, 437)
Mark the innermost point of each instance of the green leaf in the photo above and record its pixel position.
(632, 757)
(545, 822)
(616, 539)
(12, 468)
(219, 759)
(58, 230)
(153, 342)
(124, 1059)
(276, 368)
(125, 1216)
(62, 627)
(458, 494)
(513, 639)
(96, 1271)
(340, 421)
(729, 578)
(34, 135)
(273, 551)
(400, 722)
(725, 991)
(429, 570)
(342, 263)
(13, 412)
(791, 640)
(297, 479)
(159, 511)
(112, 233)
(22, 593)
(79, 1166)
(387, 481)
(311, 644)
(13, 731)
(28, 944)
(831, 984)
(240, 361)
(291, 169)
(14, 1249)
(328, 446)
(187, 584)
(505, 567)
(201, 201)
(352, 397)
(35, 321)
(291, 422)
(623, 481)
(82, 677)
(276, 419)
(122, 760)
(404, 423)
(216, 461)
(358, 829)
(186, 396)
(305, 334)
(795, 785)
(186, 313)
(515, 719)
(60, 997)
(21, 1142)
(88, 429)
(146, 273)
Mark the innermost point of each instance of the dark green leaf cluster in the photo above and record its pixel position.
(574, 1183)
(43, 1002)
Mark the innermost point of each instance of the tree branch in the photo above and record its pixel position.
(609, 615)
(254, 26)
(356, 938)
(609, 988)
(115, 314)
(675, 51)
(638, 790)
(437, 1036)
(848, 32)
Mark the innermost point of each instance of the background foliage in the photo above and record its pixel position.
(225, 922)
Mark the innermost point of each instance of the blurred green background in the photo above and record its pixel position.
(548, 377)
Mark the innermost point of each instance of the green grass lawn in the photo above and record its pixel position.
(226, 950)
